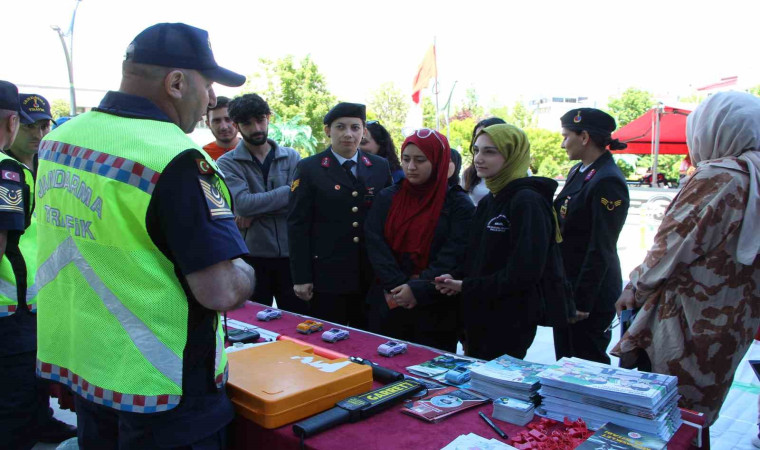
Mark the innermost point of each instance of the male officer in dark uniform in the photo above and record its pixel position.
(329, 199)
(592, 208)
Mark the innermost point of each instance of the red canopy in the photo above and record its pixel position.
(638, 134)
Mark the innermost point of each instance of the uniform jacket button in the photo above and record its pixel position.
(356, 239)
(355, 194)
(355, 224)
(355, 209)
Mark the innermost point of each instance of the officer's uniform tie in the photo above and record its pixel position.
(347, 165)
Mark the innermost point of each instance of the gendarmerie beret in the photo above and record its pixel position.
(345, 109)
(592, 120)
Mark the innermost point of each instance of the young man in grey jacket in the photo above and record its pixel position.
(259, 173)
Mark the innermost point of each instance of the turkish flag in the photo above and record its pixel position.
(425, 72)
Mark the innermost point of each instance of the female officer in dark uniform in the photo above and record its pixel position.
(592, 208)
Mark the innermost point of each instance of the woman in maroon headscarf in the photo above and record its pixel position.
(415, 231)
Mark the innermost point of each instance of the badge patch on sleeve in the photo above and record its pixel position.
(610, 204)
(203, 166)
(217, 205)
(10, 199)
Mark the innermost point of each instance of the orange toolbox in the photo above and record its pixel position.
(282, 382)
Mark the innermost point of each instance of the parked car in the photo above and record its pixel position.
(268, 314)
(334, 335)
(391, 348)
(309, 326)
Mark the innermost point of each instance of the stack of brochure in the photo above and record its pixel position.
(599, 393)
(513, 411)
(510, 377)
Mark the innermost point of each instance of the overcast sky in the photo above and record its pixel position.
(507, 50)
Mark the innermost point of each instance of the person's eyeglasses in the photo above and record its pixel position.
(425, 133)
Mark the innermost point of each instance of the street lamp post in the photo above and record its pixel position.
(68, 51)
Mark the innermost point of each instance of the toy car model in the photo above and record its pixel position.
(268, 314)
(309, 326)
(391, 348)
(458, 375)
(334, 335)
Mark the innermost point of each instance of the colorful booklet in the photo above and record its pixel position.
(443, 403)
(612, 436)
(440, 365)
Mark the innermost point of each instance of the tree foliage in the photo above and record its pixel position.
(631, 104)
(294, 133)
(548, 158)
(294, 88)
(59, 108)
(388, 105)
(754, 90)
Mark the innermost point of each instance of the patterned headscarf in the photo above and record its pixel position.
(514, 146)
(728, 124)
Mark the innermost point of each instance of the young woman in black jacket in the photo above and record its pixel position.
(510, 242)
(416, 230)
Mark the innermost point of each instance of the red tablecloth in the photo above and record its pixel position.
(389, 429)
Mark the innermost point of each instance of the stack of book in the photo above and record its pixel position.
(599, 393)
(510, 377)
(513, 411)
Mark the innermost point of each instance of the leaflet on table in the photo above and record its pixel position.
(510, 371)
(622, 385)
(614, 436)
(440, 365)
(665, 430)
(640, 411)
(586, 410)
(473, 441)
(438, 405)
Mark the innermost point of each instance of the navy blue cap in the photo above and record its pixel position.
(181, 46)
(8, 96)
(345, 109)
(33, 108)
(592, 120)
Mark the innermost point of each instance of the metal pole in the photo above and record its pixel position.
(656, 151)
(68, 51)
(72, 93)
(437, 111)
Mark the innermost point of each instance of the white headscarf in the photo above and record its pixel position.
(728, 124)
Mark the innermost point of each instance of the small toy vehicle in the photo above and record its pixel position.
(458, 375)
(391, 348)
(334, 335)
(268, 314)
(309, 326)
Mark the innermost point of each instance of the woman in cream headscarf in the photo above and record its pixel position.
(699, 286)
(510, 243)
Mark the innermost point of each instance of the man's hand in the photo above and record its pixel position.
(626, 301)
(243, 222)
(404, 296)
(447, 285)
(304, 291)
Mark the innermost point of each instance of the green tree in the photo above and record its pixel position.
(459, 134)
(292, 88)
(59, 108)
(294, 133)
(521, 117)
(388, 105)
(754, 90)
(548, 158)
(428, 113)
(631, 104)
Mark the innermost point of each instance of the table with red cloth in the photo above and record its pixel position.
(390, 428)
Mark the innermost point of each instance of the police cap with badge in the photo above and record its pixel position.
(592, 120)
(34, 108)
